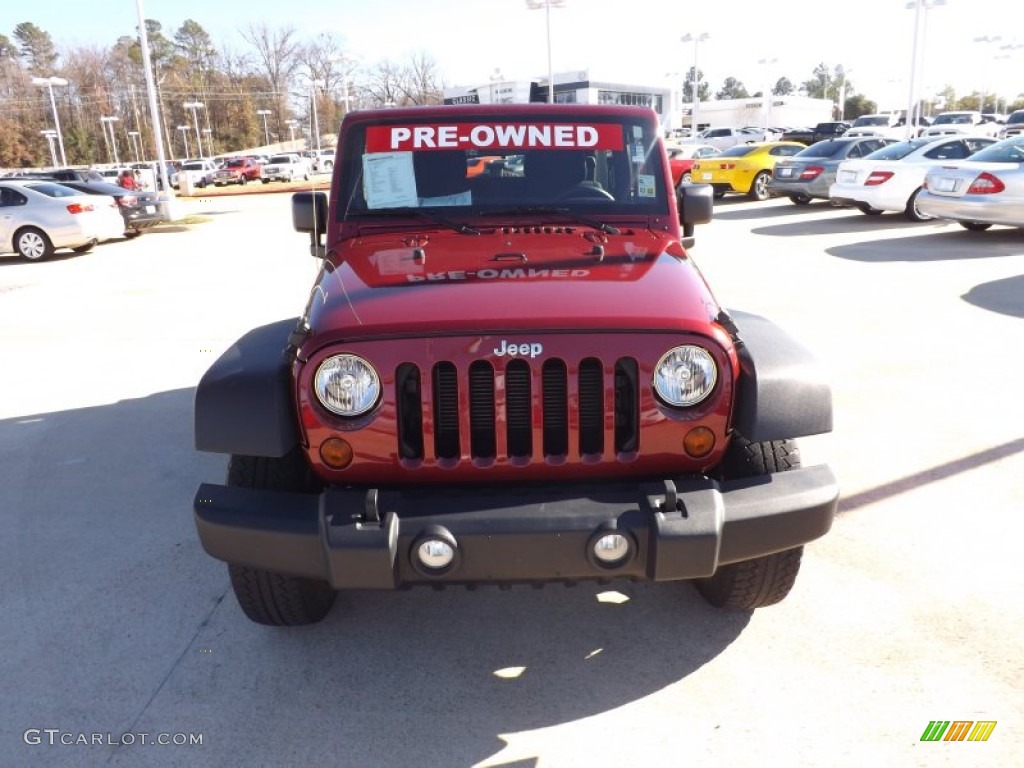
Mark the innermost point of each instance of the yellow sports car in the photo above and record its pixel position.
(745, 168)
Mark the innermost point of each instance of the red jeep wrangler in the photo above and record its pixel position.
(516, 376)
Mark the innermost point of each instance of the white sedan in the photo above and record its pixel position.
(891, 178)
(987, 189)
(38, 217)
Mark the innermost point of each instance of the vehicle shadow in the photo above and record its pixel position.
(766, 210)
(13, 259)
(109, 589)
(854, 221)
(939, 241)
(1005, 296)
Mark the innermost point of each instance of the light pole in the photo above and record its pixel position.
(921, 8)
(316, 121)
(266, 130)
(50, 135)
(767, 64)
(985, 39)
(195, 106)
(134, 136)
(291, 130)
(208, 133)
(547, 5)
(184, 136)
(696, 38)
(49, 82)
(109, 120)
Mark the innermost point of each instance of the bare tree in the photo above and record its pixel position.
(278, 54)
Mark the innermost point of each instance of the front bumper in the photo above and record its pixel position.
(357, 539)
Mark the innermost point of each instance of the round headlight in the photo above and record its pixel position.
(346, 385)
(685, 375)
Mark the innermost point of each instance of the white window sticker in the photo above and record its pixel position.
(645, 185)
(459, 198)
(638, 154)
(389, 180)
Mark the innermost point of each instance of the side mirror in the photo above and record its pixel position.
(695, 204)
(309, 214)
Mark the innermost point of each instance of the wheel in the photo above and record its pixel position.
(32, 244)
(305, 177)
(911, 211)
(131, 234)
(85, 248)
(241, 181)
(266, 181)
(759, 187)
(764, 580)
(868, 210)
(974, 226)
(201, 183)
(328, 166)
(687, 178)
(266, 597)
(800, 200)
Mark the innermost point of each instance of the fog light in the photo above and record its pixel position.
(699, 442)
(611, 548)
(336, 453)
(435, 554)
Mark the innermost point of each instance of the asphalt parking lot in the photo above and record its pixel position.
(115, 622)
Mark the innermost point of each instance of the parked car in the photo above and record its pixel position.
(809, 173)
(286, 167)
(140, 210)
(682, 158)
(986, 189)
(1014, 125)
(745, 169)
(962, 122)
(323, 160)
(723, 138)
(69, 174)
(820, 132)
(37, 217)
(238, 170)
(889, 125)
(890, 179)
(200, 173)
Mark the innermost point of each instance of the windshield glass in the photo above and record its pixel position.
(959, 119)
(281, 159)
(53, 190)
(1006, 151)
(863, 120)
(828, 148)
(1016, 117)
(900, 150)
(486, 164)
(738, 151)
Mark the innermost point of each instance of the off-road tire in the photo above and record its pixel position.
(277, 599)
(764, 580)
(759, 186)
(974, 226)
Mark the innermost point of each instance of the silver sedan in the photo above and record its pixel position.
(810, 172)
(977, 193)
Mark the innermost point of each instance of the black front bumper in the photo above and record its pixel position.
(358, 539)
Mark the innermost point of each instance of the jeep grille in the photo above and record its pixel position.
(503, 404)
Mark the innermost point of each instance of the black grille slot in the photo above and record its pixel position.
(518, 409)
(591, 385)
(408, 398)
(482, 443)
(627, 406)
(556, 408)
(446, 411)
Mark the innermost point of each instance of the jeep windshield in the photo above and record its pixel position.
(483, 166)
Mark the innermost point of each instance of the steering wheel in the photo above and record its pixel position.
(585, 191)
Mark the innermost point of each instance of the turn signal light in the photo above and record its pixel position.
(336, 453)
(698, 442)
(811, 172)
(79, 208)
(986, 184)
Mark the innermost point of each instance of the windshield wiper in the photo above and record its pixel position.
(458, 226)
(608, 229)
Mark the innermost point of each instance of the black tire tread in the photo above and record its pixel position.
(277, 599)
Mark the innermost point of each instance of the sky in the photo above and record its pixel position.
(627, 41)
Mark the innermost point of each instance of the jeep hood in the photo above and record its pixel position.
(530, 278)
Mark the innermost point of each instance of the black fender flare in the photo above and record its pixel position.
(244, 402)
(783, 392)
